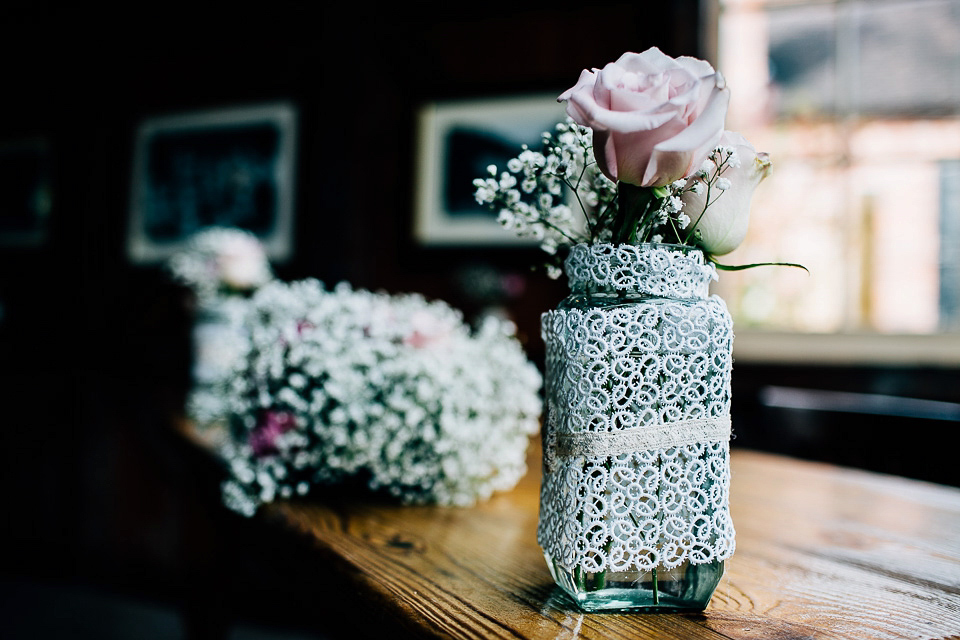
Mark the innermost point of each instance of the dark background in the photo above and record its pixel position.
(99, 492)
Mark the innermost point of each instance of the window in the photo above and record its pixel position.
(858, 104)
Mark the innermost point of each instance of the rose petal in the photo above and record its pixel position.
(604, 150)
(636, 148)
(707, 127)
(698, 68)
(587, 79)
(650, 61)
(679, 156)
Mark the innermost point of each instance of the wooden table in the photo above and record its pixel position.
(822, 552)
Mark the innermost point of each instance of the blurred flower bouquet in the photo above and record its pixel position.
(392, 391)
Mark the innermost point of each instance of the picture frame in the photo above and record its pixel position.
(457, 141)
(231, 167)
(26, 192)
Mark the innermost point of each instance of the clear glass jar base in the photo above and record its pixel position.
(686, 588)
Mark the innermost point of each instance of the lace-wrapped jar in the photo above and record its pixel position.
(634, 508)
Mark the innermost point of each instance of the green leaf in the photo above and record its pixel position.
(741, 267)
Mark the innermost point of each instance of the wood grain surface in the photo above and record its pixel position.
(822, 552)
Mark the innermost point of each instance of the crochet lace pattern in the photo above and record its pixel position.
(652, 269)
(636, 441)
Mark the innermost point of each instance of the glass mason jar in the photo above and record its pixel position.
(634, 507)
(219, 339)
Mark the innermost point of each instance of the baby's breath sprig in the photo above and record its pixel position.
(531, 197)
(710, 177)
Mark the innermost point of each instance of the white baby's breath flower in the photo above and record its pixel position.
(532, 159)
(484, 195)
(566, 162)
(560, 215)
(395, 389)
(723, 184)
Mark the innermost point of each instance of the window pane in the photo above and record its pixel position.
(908, 57)
(857, 104)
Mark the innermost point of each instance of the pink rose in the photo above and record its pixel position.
(724, 223)
(655, 119)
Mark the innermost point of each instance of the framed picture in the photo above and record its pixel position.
(26, 192)
(457, 142)
(227, 168)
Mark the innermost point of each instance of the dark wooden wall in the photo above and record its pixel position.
(94, 350)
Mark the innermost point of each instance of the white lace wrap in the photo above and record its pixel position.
(656, 270)
(636, 442)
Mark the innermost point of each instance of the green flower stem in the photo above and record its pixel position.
(633, 204)
(601, 580)
(723, 166)
(591, 229)
(561, 232)
(673, 227)
(578, 572)
(601, 221)
(661, 380)
(693, 227)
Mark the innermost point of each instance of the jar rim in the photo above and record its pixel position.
(650, 267)
(685, 248)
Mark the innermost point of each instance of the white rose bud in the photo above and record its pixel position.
(724, 224)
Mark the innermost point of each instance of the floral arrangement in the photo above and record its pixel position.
(645, 154)
(220, 262)
(392, 391)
